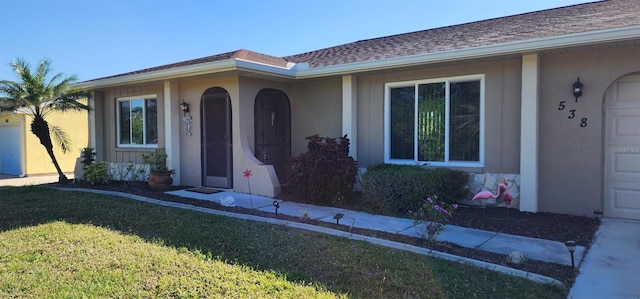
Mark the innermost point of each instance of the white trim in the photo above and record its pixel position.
(350, 113)
(144, 118)
(415, 83)
(92, 122)
(529, 134)
(172, 119)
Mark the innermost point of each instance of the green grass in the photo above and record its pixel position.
(56, 244)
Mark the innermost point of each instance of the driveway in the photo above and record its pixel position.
(12, 180)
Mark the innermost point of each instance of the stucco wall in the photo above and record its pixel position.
(316, 108)
(502, 111)
(75, 124)
(243, 91)
(190, 146)
(570, 156)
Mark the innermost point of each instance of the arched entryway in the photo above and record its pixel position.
(272, 115)
(217, 167)
(622, 149)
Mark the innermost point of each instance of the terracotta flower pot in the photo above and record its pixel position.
(160, 181)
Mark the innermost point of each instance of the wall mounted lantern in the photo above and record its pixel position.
(577, 89)
(184, 106)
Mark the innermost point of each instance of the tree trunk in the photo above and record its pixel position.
(40, 128)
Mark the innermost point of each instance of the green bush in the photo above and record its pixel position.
(398, 188)
(325, 173)
(88, 155)
(96, 173)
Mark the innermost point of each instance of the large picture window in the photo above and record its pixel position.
(439, 122)
(137, 121)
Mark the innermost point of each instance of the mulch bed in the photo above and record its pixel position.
(509, 221)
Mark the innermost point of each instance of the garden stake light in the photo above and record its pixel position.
(571, 246)
(276, 204)
(337, 217)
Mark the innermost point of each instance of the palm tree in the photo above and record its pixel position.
(37, 97)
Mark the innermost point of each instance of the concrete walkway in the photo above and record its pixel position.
(12, 180)
(612, 266)
(536, 249)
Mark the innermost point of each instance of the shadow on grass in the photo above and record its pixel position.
(335, 264)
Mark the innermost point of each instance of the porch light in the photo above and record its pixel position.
(184, 106)
(577, 89)
(571, 246)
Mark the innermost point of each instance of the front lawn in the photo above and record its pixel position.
(69, 245)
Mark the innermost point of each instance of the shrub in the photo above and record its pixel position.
(398, 188)
(96, 173)
(325, 173)
(430, 219)
(88, 155)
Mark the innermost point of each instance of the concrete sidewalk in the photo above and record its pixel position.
(536, 249)
(12, 180)
(612, 266)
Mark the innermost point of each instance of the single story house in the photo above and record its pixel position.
(549, 100)
(21, 153)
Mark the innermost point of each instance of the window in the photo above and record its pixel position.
(439, 122)
(137, 121)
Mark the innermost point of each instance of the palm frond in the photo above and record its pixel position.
(61, 138)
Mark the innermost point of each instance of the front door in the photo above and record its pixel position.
(622, 152)
(272, 114)
(216, 138)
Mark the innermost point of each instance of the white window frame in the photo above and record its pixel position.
(144, 119)
(415, 83)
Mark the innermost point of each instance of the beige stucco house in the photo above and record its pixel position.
(494, 98)
(21, 153)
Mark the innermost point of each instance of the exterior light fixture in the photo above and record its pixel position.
(571, 246)
(184, 106)
(337, 217)
(577, 89)
(276, 204)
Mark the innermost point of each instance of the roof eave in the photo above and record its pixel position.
(233, 64)
(518, 47)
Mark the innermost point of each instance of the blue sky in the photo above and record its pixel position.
(93, 39)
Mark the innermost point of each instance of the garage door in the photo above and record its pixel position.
(622, 152)
(10, 158)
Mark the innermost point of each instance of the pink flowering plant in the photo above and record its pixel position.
(247, 174)
(430, 219)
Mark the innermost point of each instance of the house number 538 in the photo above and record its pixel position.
(572, 114)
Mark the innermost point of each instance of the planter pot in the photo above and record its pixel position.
(160, 181)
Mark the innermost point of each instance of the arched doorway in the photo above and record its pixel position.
(272, 138)
(622, 149)
(216, 138)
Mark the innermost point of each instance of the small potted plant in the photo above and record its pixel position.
(159, 174)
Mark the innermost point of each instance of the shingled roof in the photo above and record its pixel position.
(581, 18)
(239, 54)
(546, 23)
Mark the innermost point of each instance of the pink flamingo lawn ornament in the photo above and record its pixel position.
(503, 192)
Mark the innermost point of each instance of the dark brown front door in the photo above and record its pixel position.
(272, 114)
(216, 138)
